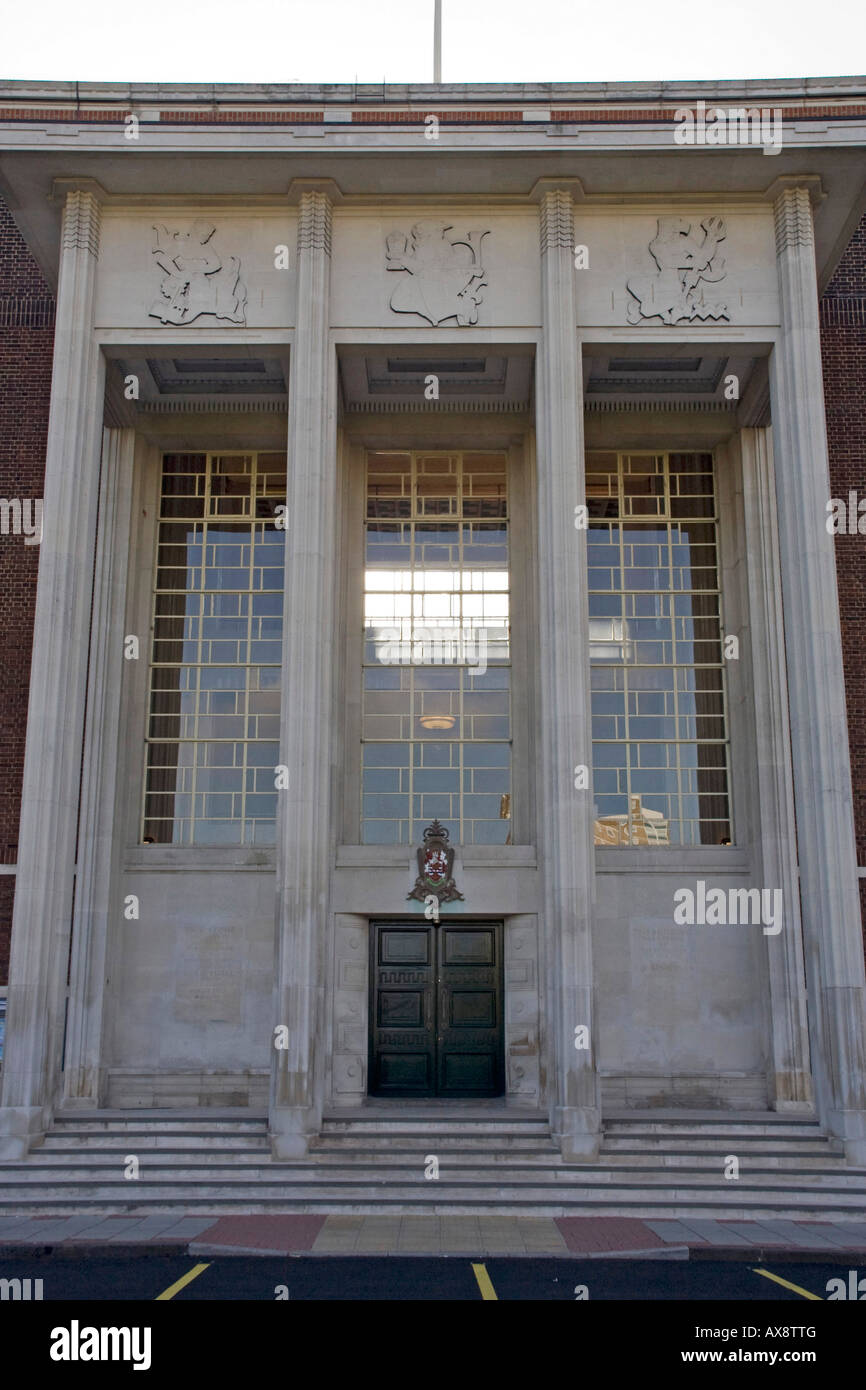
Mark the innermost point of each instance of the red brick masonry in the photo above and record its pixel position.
(26, 346)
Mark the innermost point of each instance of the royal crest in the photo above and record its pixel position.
(435, 862)
(198, 280)
(686, 254)
(444, 275)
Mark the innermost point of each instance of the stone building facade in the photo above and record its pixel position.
(434, 460)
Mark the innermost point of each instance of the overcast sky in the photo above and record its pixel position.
(483, 40)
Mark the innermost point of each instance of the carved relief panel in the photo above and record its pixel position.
(443, 274)
(690, 264)
(196, 278)
(676, 271)
(166, 270)
(419, 271)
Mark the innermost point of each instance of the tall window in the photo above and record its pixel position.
(213, 734)
(660, 748)
(436, 718)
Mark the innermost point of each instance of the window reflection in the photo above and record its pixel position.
(436, 680)
(214, 711)
(660, 750)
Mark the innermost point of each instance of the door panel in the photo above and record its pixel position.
(436, 1015)
(403, 1031)
(469, 1035)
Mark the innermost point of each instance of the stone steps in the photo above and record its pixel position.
(374, 1161)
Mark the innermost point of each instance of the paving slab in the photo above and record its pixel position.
(11, 1225)
(152, 1226)
(107, 1229)
(59, 1229)
(756, 1233)
(674, 1232)
(188, 1227)
(28, 1225)
(714, 1232)
(799, 1238)
(823, 1230)
(855, 1230)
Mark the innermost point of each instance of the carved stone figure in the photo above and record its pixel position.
(444, 276)
(686, 254)
(197, 281)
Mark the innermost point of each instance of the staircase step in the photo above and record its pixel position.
(349, 1195)
(662, 1143)
(637, 1163)
(146, 1139)
(419, 1125)
(76, 1124)
(399, 1206)
(631, 1167)
(399, 1172)
(709, 1129)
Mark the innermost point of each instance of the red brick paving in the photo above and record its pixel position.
(588, 1233)
(286, 1233)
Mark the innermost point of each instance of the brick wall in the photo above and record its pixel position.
(843, 347)
(26, 343)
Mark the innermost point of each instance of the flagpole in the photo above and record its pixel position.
(437, 40)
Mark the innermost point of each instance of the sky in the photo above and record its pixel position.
(385, 40)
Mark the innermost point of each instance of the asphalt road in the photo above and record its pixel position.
(184, 1279)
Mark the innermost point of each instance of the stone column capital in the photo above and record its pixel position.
(82, 221)
(792, 213)
(557, 221)
(62, 186)
(298, 188)
(315, 222)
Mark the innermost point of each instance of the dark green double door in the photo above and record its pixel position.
(436, 1009)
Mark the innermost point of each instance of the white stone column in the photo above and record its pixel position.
(819, 730)
(55, 724)
(565, 819)
(790, 1081)
(304, 837)
(96, 894)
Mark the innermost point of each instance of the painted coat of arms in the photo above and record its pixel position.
(443, 276)
(198, 280)
(435, 863)
(686, 254)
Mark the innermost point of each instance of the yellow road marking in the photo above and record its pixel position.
(182, 1282)
(487, 1290)
(804, 1293)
